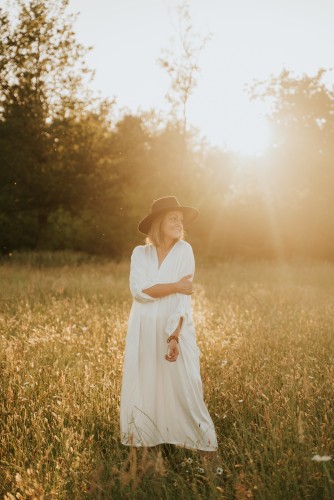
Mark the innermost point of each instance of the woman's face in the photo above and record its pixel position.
(172, 225)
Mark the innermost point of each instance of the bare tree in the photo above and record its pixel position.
(181, 63)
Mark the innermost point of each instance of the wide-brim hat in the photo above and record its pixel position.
(164, 205)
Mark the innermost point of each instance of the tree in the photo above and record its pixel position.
(181, 64)
(41, 61)
(43, 93)
(299, 178)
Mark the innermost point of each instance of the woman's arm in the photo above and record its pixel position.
(182, 309)
(178, 328)
(184, 286)
(173, 348)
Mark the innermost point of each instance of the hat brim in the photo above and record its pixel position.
(189, 215)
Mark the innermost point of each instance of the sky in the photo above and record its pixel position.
(250, 40)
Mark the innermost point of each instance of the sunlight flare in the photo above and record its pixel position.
(248, 133)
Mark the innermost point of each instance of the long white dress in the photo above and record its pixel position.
(162, 402)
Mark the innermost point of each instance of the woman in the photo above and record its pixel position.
(161, 398)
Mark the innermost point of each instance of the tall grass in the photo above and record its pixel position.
(266, 334)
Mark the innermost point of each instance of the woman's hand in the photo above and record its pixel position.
(173, 351)
(184, 285)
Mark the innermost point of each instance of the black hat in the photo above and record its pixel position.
(164, 205)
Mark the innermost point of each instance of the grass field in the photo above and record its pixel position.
(266, 334)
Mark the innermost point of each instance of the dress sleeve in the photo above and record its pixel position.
(138, 279)
(183, 302)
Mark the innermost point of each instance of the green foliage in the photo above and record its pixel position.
(37, 53)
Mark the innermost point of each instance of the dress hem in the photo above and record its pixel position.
(169, 442)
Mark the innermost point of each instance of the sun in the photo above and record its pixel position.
(240, 127)
(247, 133)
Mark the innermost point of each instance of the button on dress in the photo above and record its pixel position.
(161, 401)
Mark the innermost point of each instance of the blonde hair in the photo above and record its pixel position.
(155, 236)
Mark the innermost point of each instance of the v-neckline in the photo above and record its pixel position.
(165, 257)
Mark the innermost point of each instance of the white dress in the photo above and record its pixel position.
(162, 402)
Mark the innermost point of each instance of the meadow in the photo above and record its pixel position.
(266, 334)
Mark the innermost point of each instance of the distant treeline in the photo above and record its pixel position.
(73, 177)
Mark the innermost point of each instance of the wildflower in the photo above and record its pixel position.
(84, 329)
(200, 470)
(159, 465)
(219, 471)
(324, 458)
(18, 478)
(189, 460)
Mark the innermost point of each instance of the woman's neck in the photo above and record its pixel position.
(167, 244)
